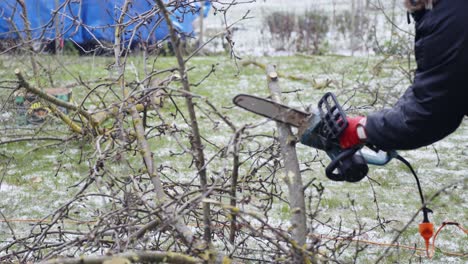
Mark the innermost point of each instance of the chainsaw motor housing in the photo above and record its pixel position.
(346, 165)
(322, 131)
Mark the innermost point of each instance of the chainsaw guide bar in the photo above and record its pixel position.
(272, 110)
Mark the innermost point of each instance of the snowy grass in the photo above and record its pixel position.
(38, 178)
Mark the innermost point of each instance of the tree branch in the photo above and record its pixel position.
(131, 257)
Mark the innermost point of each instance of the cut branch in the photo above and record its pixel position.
(147, 156)
(292, 174)
(196, 142)
(131, 257)
(264, 67)
(23, 83)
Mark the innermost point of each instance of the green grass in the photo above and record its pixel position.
(395, 188)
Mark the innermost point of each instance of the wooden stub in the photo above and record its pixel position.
(273, 75)
(291, 171)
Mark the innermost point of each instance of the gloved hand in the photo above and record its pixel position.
(355, 133)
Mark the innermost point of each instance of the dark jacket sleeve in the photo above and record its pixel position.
(435, 104)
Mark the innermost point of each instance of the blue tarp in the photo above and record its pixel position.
(99, 18)
(9, 14)
(94, 20)
(41, 19)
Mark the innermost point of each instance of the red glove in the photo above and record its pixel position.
(355, 133)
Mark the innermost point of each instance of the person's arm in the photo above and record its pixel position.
(413, 122)
(435, 104)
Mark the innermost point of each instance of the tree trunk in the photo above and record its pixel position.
(201, 24)
(197, 146)
(292, 175)
(57, 29)
(29, 40)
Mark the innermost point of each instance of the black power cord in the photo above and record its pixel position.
(425, 210)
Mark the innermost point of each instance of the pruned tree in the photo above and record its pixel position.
(143, 175)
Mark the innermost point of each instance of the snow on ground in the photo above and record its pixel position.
(395, 191)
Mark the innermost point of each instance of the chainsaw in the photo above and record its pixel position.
(321, 129)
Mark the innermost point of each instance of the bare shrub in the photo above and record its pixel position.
(312, 27)
(281, 26)
(346, 25)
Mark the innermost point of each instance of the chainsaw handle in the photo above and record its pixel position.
(351, 164)
(333, 166)
(346, 165)
(378, 158)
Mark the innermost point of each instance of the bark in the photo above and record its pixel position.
(24, 84)
(130, 257)
(144, 147)
(67, 120)
(201, 24)
(197, 146)
(118, 39)
(292, 175)
(234, 180)
(161, 197)
(146, 154)
(29, 39)
(57, 29)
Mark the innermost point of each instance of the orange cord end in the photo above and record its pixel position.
(426, 230)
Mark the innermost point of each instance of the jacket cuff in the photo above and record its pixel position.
(361, 129)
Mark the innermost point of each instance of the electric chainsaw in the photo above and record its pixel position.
(321, 129)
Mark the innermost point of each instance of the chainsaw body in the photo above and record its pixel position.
(321, 129)
(346, 165)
